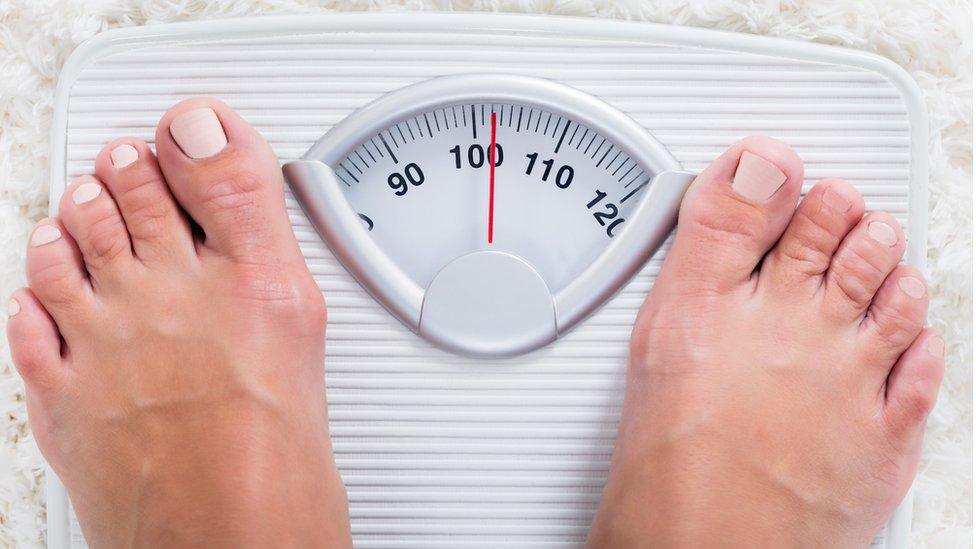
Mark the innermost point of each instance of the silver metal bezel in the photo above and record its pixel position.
(318, 191)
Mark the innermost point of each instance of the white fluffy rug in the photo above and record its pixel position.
(932, 40)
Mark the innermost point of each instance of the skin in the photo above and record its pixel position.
(172, 342)
(186, 404)
(779, 375)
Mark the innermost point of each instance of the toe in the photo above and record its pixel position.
(155, 223)
(913, 385)
(56, 273)
(862, 263)
(825, 216)
(733, 213)
(35, 343)
(896, 316)
(225, 176)
(90, 214)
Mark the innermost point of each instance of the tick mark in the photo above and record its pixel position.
(354, 165)
(624, 176)
(389, 150)
(582, 137)
(556, 127)
(363, 160)
(590, 144)
(354, 178)
(634, 191)
(365, 148)
(474, 127)
(574, 135)
(561, 137)
(622, 164)
(635, 178)
(339, 175)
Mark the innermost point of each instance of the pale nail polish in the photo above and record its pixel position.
(756, 178)
(123, 155)
(912, 286)
(936, 346)
(882, 233)
(86, 192)
(836, 201)
(13, 307)
(198, 133)
(45, 234)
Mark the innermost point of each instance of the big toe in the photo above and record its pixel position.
(733, 214)
(225, 175)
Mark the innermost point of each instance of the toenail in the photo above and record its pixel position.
(86, 192)
(45, 234)
(912, 286)
(198, 133)
(123, 155)
(836, 201)
(756, 178)
(882, 233)
(936, 346)
(13, 307)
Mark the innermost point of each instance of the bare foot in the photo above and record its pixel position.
(780, 375)
(172, 341)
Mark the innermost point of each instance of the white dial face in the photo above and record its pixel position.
(425, 188)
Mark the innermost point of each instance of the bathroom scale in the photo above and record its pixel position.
(455, 421)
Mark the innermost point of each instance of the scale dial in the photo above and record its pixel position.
(426, 191)
(490, 214)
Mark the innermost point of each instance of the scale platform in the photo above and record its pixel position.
(438, 450)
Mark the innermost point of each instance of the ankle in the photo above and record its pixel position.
(278, 489)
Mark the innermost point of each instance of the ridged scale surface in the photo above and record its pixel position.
(440, 451)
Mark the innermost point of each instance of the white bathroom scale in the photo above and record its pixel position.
(456, 423)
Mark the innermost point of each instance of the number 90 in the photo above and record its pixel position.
(412, 174)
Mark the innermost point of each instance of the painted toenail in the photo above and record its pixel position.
(198, 133)
(45, 234)
(756, 178)
(13, 307)
(123, 155)
(936, 346)
(836, 201)
(882, 233)
(912, 286)
(86, 192)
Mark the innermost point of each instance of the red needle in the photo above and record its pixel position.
(491, 182)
